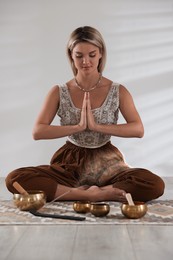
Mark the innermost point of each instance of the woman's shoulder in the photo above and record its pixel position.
(123, 90)
(57, 88)
(120, 88)
(55, 91)
(124, 94)
(110, 83)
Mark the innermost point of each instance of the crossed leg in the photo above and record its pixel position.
(142, 184)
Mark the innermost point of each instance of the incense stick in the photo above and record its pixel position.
(57, 198)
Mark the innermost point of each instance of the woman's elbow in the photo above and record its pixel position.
(140, 131)
(35, 134)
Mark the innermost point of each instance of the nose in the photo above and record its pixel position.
(85, 60)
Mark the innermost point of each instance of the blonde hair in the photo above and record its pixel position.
(90, 35)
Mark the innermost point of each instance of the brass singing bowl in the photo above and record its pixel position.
(81, 206)
(35, 200)
(134, 211)
(99, 209)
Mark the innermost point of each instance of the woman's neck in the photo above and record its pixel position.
(88, 82)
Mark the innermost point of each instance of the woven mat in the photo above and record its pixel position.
(160, 212)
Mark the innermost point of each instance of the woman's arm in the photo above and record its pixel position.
(43, 128)
(133, 126)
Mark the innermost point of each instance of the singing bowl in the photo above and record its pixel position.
(35, 200)
(99, 209)
(81, 206)
(134, 211)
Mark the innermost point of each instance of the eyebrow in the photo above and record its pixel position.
(78, 52)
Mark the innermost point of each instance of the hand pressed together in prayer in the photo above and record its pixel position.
(87, 118)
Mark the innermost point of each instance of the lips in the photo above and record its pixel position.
(86, 67)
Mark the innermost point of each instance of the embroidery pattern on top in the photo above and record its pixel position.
(105, 114)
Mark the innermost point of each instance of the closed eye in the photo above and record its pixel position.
(79, 55)
(92, 55)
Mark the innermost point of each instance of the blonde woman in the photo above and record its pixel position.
(88, 166)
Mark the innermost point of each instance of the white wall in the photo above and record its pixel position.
(139, 38)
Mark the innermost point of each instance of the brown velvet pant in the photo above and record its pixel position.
(74, 166)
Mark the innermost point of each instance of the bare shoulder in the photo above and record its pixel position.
(125, 97)
(54, 89)
(124, 92)
(53, 93)
(123, 89)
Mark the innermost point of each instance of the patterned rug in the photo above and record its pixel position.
(160, 212)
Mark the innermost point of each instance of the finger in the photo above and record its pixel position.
(84, 102)
(88, 101)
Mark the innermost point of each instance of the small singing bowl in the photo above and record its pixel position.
(134, 211)
(99, 209)
(35, 200)
(81, 206)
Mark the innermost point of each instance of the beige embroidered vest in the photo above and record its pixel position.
(107, 113)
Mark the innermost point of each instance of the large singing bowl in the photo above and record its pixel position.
(34, 201)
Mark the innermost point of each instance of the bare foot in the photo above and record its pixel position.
(107, 193)
(114, 194)
(92, 193)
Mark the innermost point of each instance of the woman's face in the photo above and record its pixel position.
(86, 57)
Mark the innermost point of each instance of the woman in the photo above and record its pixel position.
(88, 166)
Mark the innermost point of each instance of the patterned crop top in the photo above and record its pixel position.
(107, 114)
